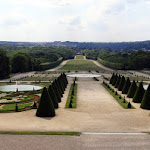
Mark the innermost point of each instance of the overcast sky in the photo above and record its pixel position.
(74, 20)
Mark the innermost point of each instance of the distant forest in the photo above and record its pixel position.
(28, 56)
(118, 46)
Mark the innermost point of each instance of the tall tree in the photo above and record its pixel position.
(4, 64)
(118, 81)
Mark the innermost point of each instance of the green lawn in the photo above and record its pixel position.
(38, 79)
(74, 100)
(120, 101)
(139, 79)
(84, 65)
(13, 106)
(79, 57)
(39, 133)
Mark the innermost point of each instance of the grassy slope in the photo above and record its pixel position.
(83, 65)
(79, 57)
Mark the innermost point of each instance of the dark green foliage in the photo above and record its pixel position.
(132, 90)
(70, 105)
(138, 96)
(118, 81)
(21, 62)
(56, 92)
(46, 107)
(4, 65)
(121, 84)
(129, 105)
(34, 105)
(16, 108)
(53, 96)
(116, 93)
(126, 86)
(145, 104)
(58, 87)
(114, 79)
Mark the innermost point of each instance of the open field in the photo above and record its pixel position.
(79, 57)
(84, 65)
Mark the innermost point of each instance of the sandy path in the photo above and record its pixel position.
(58, 67)
(83, 142)
(101, 66)
(96, 111)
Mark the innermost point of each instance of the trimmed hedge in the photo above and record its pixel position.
(46, 107)
(110, 64)
(132, 90)
(121, 84)
(139, 94)
(126, 86)
(145, 104)
(50, 65)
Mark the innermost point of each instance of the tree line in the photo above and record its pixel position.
(15, 60)
(120, 60)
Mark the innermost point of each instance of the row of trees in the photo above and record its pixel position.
(138, 93)
(23, 59)
(121, 59)
(51, 97)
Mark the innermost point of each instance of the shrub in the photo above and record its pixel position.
(115, 80)
(56, 92)
(129, 105)
(111, 79)
(121, 84)
(34, 105)
(132, 90)
(58, 87)
(126, 86)
(53, 96)
(118, 81)
(138, 96)
(16, 108)
(46, 108)
(145, 104)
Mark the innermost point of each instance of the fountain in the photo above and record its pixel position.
(84, 75)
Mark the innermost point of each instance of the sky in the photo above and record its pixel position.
(74, 20)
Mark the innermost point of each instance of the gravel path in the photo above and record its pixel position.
(96, 111)
(83, 142)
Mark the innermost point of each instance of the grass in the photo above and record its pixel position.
(74, 100)
(12, 107)
(45, 84)
(37, 79)
(79, 57)
(39, 133)
(29, 97)
(83, 65)
(139, 79)
(120, 101)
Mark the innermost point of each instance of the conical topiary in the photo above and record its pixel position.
(121, 84)
(58, 87)
(132, 90)
(118, 81)
(53, 96)
(138, 96)
(56, 92)
(114, 79)
(145, 104)
(111, 79)
(46, 107)
(126, 86)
